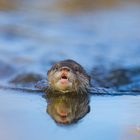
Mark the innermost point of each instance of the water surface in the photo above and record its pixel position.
(33, 37)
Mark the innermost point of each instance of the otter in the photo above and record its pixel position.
(68, 76)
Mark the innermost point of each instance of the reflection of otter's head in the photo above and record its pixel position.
(67, 109)
(68, 76)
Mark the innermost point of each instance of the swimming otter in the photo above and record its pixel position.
(68, 76)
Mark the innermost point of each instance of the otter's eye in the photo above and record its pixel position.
(76, 69)
(56, 67)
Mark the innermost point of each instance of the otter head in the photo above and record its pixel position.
(68, 76)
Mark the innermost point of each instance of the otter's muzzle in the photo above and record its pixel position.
(65, 69)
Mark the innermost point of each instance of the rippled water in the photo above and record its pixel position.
(30, 42)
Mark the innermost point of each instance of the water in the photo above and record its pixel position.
(31, 40)
(23, 116)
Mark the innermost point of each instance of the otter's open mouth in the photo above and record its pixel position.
(64, 79)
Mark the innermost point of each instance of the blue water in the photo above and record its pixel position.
(23, 115)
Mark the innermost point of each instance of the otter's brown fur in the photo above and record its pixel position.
(75, 79)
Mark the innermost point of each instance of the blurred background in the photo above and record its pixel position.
(35, 34)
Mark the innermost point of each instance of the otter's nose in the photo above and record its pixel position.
(66, 69)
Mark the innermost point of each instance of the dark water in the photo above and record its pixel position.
(104, 39)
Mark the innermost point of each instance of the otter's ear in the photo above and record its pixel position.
(89, 77)
(49, 71)
(88, 109)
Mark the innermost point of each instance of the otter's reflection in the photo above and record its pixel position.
(67, 108)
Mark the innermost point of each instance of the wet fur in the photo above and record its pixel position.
(78, 76)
